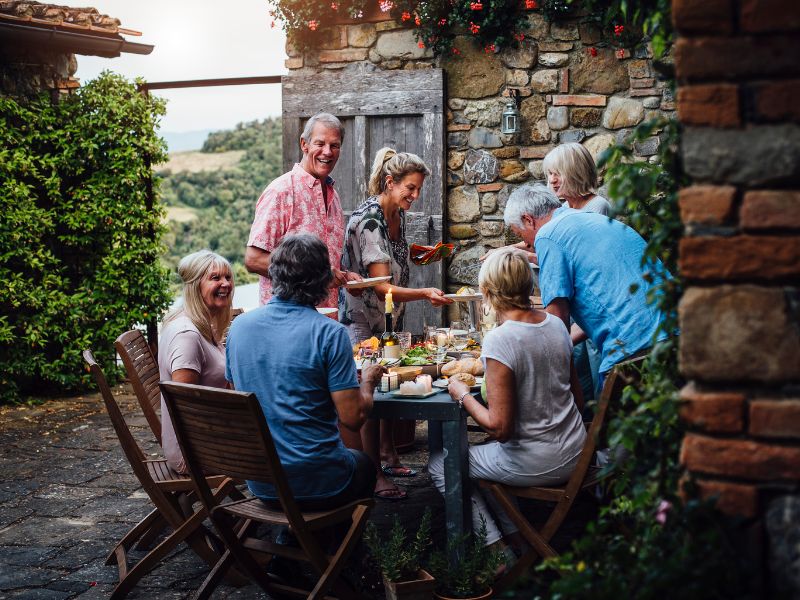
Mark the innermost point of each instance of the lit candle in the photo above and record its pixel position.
(389, 303)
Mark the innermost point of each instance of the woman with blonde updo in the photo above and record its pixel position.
(375, 245)
(191, 349)
(530, 414)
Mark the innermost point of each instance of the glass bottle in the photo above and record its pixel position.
(389, 342)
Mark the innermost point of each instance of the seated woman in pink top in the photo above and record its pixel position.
(190, 349)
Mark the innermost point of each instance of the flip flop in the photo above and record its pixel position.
(398, 471)
(392, 494)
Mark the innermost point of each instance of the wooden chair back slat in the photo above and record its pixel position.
(564, 497)
(142, 369)
(237, 444)
(224, 431)
(165, 488)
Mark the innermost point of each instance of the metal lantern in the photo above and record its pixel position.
(510, 118)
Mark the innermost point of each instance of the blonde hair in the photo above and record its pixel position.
(575, 165)
(192, 269)
(506, 280)
(389, 162)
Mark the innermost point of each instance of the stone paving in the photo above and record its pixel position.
(67, 495)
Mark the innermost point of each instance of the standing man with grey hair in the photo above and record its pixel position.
(303, 201)
(590, 269)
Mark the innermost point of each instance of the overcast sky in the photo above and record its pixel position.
(198, 39)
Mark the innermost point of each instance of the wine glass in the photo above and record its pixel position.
(459, 335)
(436, 341)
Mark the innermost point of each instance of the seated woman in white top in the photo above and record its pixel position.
(190, 349)
(537, 429)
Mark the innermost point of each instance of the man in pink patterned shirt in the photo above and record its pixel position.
(303, 201)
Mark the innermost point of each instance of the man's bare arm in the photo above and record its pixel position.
(256, 260)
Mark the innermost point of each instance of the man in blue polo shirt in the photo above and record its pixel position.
(590, 269)
(300, 365)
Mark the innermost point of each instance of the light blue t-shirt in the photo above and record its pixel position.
(592, 261)
(292, 357)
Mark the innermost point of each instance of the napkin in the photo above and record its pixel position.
(423, 255)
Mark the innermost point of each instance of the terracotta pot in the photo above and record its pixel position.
(413, 589)
(488, 594)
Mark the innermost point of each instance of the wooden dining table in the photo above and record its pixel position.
(447, 430)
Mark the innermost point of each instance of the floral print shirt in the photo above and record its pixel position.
(367, 242)
(291, 204)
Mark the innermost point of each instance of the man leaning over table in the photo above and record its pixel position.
(588, 264)
(303, 201)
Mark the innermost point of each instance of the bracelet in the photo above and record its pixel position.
(461, 400)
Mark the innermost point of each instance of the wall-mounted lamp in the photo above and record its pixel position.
(511, 118)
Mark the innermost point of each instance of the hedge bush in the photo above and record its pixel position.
(79, 245)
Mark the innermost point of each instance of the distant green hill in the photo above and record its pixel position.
(211, 195)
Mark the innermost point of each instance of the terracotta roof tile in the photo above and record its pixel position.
(85, 20)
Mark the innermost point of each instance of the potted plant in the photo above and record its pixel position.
(399, 561)
(472, 577)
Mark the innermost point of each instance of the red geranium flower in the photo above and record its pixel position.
(593, 51)
(531, 4)
(406, 16)
(312, 25)
(417, 21)
(475, 6)
(474, 28)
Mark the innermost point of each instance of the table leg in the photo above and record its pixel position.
(457, 505)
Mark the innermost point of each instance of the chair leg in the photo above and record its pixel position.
(143, 527)
(151, 560)
(233, 540)
(330, 577)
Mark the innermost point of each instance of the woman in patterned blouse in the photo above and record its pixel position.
(375, 245)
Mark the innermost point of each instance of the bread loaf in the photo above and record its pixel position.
(470, 365)
(467, 378)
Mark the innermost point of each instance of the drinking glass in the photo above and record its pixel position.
(459, 335)
(405, 339)
(436, 341)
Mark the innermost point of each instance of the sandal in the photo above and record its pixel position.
(398, 471)
(392, 493)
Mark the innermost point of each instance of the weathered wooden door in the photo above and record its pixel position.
(401, 109)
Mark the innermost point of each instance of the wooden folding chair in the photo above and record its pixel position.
(224, 431)
(142, 368)
(584, 477)
(172, 495)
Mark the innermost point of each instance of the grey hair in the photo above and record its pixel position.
(574, 163)
(533, 200)
(300, 269)
(330, 121)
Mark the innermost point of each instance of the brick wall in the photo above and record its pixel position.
(572, 88)
(738, 69)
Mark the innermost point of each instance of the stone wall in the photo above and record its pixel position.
(572, 89)
(738, 67)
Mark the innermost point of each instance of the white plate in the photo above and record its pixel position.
(442, 383)
(464, 297)
(397, 394)
(368, 282)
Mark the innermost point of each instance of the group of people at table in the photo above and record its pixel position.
(299, 363)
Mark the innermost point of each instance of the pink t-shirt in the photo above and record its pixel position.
(182, 347)
(293, 203)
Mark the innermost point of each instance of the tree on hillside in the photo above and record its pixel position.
(223, 200)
